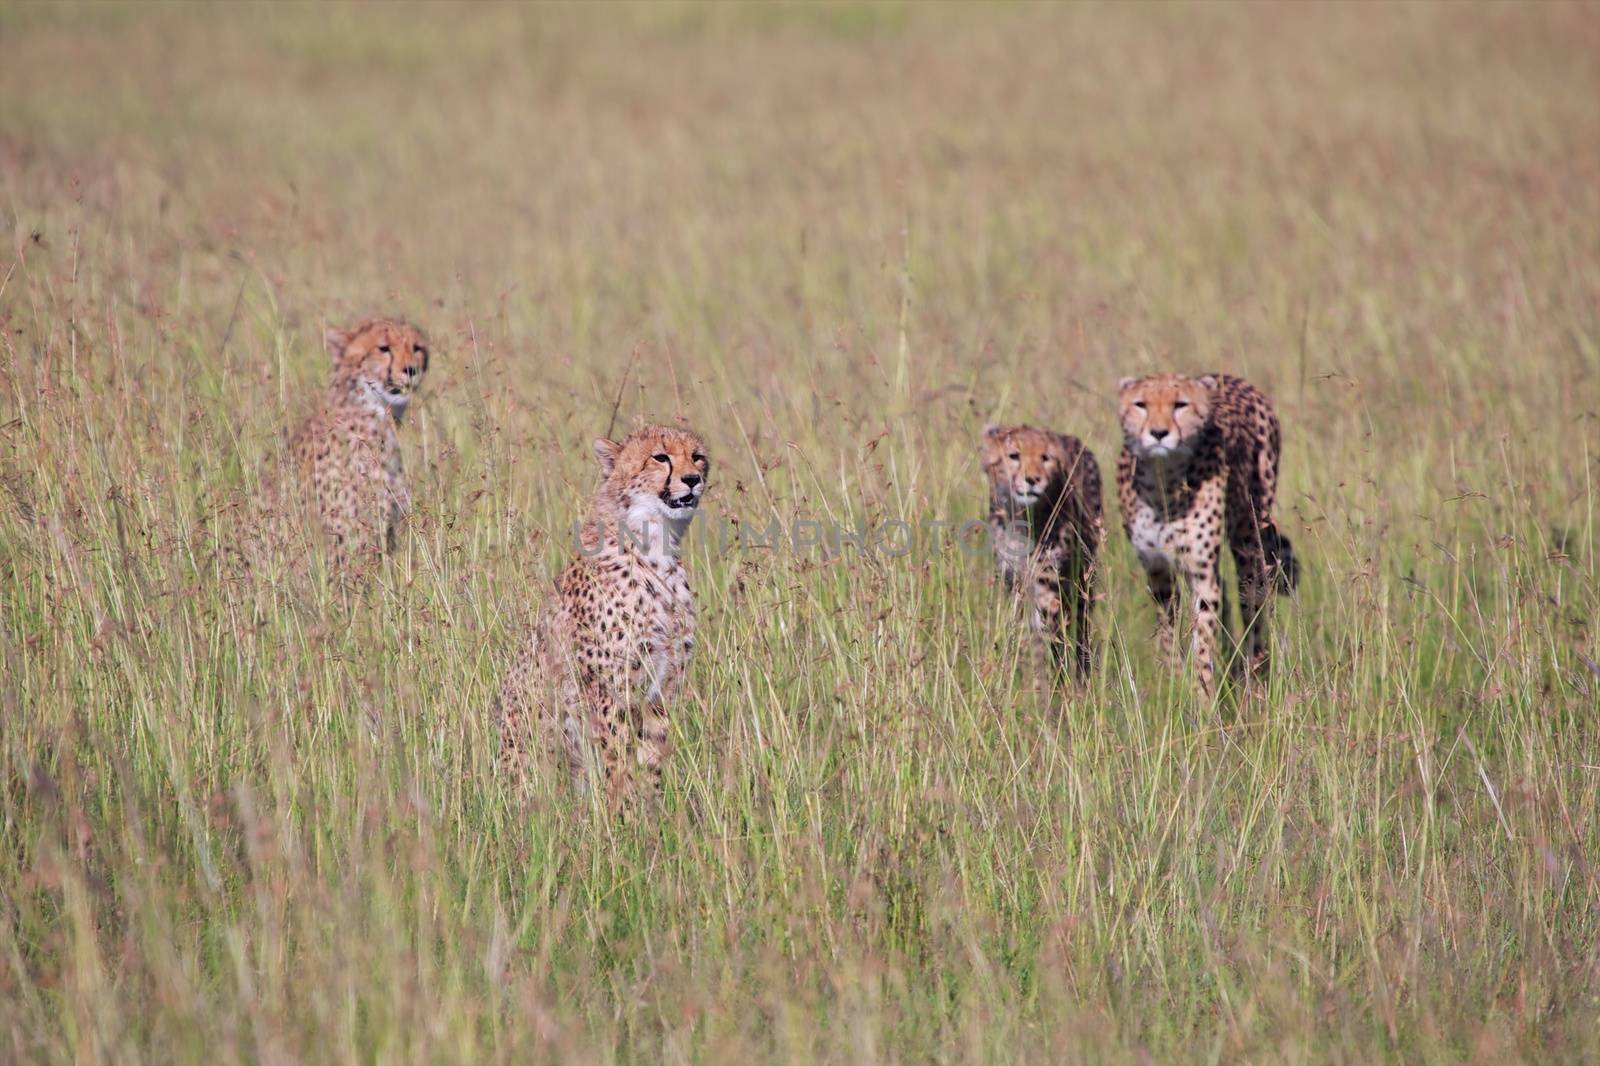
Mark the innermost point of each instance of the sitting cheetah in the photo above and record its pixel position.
(1045, 521)
(343, 464)
(1198, 453)
(609, 651)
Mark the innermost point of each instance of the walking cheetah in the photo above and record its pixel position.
(343, 464)
(1199, 453)
(609, 651)
(1045, 521)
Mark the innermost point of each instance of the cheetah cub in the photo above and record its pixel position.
(1199, 455)
(608, 654)
(342, 466)
(1045, 523)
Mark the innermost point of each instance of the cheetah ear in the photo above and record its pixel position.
(605, 450)
(1126, 383)
(991, 431)
(1208, 380)
(335, 341)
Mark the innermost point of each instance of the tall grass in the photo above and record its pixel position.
(250, 816)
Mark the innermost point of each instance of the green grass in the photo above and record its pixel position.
(246, 816)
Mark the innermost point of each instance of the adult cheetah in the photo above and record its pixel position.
(1046, 527)
(608, 654)
(342, 471)
(1200, 454)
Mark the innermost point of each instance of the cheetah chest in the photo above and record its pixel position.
(1012, 548)
(671, 635)
(655, 634)
(1170, 518)
(372, 455)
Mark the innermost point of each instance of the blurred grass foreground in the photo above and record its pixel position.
(249, 815)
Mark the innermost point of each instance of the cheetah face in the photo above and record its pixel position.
(1024, 463)
(657, 473)
(384, 358)
(1164, 414)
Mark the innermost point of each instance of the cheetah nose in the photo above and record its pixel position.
(1159, 434)
(691, 480)
(1030, 479)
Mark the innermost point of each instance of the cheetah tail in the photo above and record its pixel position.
(1280, 553)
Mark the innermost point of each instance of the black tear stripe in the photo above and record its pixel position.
(666, 486)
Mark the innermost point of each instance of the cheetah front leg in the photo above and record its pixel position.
(399, 498)
(1083, 585)
(1048, 627)
(655, 743)
(609, 732)
(344, 553)
(1205, 588)
(1163, 589)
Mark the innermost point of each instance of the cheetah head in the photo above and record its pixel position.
(382, 358)
(657, 474)
(1164, 414)
(1024, 464)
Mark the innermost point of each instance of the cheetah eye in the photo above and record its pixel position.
(661, 457)
(1139, 404)
(1178, 405)
(419, 349)
(697, 457)
(1016, 455)
(384, 348)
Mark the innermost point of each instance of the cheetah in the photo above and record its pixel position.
(343, 464)
(1200, 454)
(1046, 527)
(608, 654)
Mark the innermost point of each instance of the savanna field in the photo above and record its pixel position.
(250, 812)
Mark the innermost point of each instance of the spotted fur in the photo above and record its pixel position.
(342, 472)
(1200, 458)
(596, 680)
(1046, 526)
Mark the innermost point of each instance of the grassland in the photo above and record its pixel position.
(249, 817)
